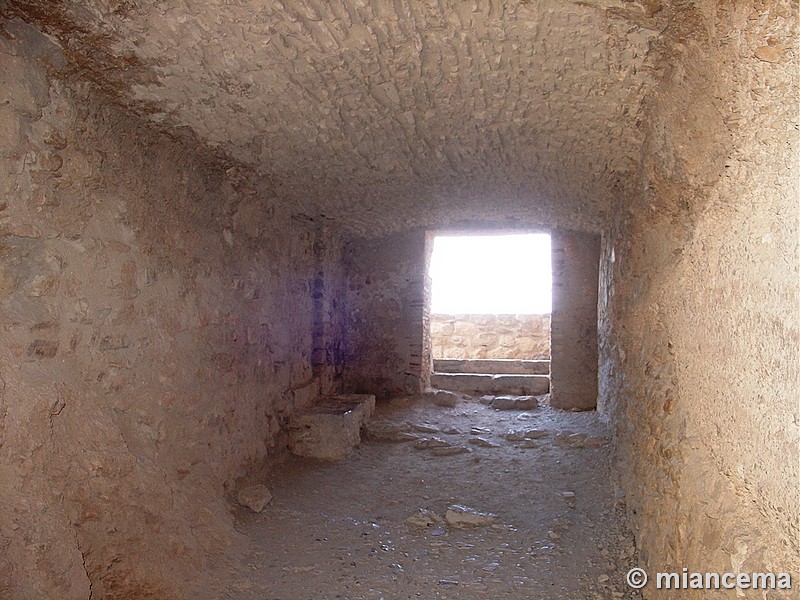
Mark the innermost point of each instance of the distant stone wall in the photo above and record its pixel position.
(490, 336)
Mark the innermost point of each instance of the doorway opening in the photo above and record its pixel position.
(490, 301)
(491, 274)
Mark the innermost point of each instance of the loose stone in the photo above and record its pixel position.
(482, 442)
(254, 497)
(428, 443)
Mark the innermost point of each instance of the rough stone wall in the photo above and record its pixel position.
(156, 328)
(384, 334)
(490, 336)
(387, 115)
(574, 354)
(328, 292)
(701, 312)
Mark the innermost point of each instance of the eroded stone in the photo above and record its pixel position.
(255, 497)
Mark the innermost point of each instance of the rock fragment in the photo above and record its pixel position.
(443, 398)
(518, 435)
(482, 442)
(254, 497)
(388, 432)
(428, 443)
(461, 516)
(424, 428)
(535, 434)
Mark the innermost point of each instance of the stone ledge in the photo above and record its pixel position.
(483, 383)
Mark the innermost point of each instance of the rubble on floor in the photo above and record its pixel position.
(505, 520)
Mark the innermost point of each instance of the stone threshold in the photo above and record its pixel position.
(486, 383)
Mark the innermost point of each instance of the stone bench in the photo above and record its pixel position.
(331, 427)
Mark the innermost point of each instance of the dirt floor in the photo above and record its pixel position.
(358, 529)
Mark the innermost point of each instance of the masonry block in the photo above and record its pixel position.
(332, 427)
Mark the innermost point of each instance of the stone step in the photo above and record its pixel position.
(484, 383)
(491, 365)
(331, 427)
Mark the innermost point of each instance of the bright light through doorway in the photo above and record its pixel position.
(497, 274)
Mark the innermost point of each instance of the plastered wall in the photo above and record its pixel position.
(157, 321)
(700, 308)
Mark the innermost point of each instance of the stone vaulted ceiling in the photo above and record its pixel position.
(385, 113)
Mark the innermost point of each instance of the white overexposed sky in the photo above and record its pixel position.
(491, 274)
